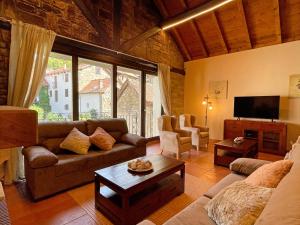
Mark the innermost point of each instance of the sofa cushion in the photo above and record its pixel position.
(246, 166)
(226, 181)
(52, 144)
(238, 204)
(102, 139)
(184, 140)
(69, 163)
(58, 129)
(284, 204)
(115, 127)
(77, 142)
(194, 214)
(270, 175)
(204, 134)
(39, 157)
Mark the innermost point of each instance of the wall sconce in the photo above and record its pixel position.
(208, 105)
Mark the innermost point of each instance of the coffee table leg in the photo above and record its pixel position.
(97, 189)
(215, 155)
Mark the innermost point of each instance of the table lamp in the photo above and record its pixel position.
(18, 128)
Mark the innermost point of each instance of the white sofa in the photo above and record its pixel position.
(283, 207)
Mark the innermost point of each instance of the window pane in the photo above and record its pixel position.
(95, 89)
(153, 105)
(51, 101)
(129, 98)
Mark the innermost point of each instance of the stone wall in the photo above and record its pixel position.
(4, 60)
(177, 94)
(137, 16)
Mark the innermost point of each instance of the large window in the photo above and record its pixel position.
(57, 106)
(95, 89)
(129, 98)
(152, 106)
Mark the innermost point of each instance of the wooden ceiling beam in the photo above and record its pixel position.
(92, 18)
(244, 21)
(181, 44)
(196, 30)
(277, 20)
(140, 38)
(220, 31)
(162, 8)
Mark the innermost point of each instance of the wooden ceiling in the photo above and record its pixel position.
(237, 26)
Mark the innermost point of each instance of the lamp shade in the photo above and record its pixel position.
(18, 127)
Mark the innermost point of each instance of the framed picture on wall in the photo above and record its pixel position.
(218, 89)
(294, 86)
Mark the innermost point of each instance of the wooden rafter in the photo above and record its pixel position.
(92, 18)
(219, 31)
(277, 20)
(162, 8)
(197, 31)
(244, 21)
(182, 46)
(140, 38)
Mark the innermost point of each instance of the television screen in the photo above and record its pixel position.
(264, 107)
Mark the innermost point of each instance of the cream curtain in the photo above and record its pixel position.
(164, 77)
(29, 52)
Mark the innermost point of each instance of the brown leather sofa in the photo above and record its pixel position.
(49, 170)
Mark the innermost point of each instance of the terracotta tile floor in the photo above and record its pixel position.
(71, 208)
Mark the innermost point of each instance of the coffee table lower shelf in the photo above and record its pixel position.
(139, 205)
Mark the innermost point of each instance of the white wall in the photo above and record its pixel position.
(262, 71)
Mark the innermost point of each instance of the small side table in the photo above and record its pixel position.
(231, 151)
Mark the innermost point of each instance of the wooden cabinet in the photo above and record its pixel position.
(271, 136)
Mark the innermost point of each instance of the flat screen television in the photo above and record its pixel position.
(264, 107)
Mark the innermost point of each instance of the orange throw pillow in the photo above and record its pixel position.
(270, 175)
(102, 139)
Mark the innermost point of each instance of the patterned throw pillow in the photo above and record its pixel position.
(238, 204)
(102, 139)
(76, 142)
(270, 175)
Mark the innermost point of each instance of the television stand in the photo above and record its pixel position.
(271, 137)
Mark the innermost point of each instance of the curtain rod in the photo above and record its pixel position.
(173, 69)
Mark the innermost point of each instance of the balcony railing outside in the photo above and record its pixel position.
(132, 118)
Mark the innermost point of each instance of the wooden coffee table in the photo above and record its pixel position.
(127, 197)
(232, 151)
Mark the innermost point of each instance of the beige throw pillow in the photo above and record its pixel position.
(76, 142)
(270, 175)
(102, 139)
(238, 204)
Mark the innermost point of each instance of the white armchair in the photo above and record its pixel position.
(172, 139)
(200, 135)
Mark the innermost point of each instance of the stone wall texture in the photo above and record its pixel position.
(4, 61)
(65, 18)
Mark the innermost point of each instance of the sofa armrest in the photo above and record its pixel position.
(183, 133)
(146, 222)
(202, 129)
(39, 157)
(246, 166)
(134, 139)
(194, 130)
